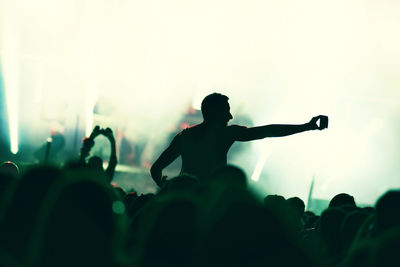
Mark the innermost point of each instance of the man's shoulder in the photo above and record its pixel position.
(192, 128)
(235, 127)
(200, 128)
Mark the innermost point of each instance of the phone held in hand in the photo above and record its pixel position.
(323, 123)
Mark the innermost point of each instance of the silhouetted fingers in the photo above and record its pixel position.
(323, 123)
(96, 131)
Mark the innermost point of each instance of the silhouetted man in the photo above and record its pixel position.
(204, 147)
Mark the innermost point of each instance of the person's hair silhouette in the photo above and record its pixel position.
(215, 107)
(203, 147)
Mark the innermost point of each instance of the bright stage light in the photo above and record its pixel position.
(14, 140)
(10, 72)
(264, 154)
(12, 107)
(10, 68)
(277, 62)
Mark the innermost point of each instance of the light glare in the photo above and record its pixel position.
(11, 85)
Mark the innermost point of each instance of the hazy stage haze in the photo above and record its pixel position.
(146, 62)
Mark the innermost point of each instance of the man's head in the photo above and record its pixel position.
(215, 108)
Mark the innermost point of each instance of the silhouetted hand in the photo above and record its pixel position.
(313, 123)
(96, 131)
(88, 142)
(108, 133)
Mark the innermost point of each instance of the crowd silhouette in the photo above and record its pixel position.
(206, 216)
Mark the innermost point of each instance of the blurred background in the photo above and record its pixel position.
(143, 67)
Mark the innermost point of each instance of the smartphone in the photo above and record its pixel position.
(323, 122)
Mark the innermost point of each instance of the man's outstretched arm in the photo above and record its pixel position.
(274, 130)
(166, 158)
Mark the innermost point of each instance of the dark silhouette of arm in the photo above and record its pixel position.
(274, 130)
(166, 158)
(88, 143)
(112, 163)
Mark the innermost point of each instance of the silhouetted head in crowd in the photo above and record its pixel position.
(95, 163)
(74, 165)
(9, 168)
(277, 204)
(351, 224)
(243, 233)
(168, 231)
(330, 226)
(8, 172)
(274, 201)
(296, 205)
(182, 183)
(215, 109)
(309, 219)
(136, 205)
(84, 227)
(342, 199)
(230, 176)
(20, 215)
(386, 249)
(387, 210)
(129, 198)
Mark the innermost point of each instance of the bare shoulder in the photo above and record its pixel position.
(236, 127)
(235, 130)
(192, 129)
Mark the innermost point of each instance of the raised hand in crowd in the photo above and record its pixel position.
(95, 161)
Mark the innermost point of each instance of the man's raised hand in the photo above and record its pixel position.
(323, 122)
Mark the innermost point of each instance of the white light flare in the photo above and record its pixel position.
(11, 85)
(10, 69)
(264, 154)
